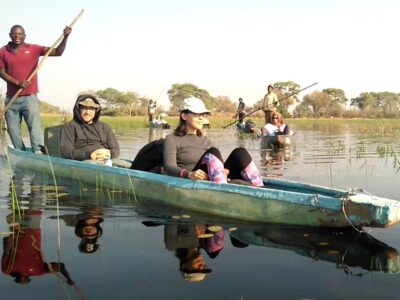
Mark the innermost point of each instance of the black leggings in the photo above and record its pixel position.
(237, 161)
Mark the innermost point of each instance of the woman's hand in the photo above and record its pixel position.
(198, 175)
(226, 172)
(100, 154)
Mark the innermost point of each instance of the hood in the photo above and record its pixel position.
(77, 115)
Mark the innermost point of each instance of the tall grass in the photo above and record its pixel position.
(381, 126)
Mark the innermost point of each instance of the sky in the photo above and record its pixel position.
(232, 48)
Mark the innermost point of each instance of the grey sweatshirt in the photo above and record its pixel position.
(183, 152)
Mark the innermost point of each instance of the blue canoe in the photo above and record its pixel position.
(280, 201)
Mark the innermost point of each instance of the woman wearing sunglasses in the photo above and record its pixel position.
(276, 126)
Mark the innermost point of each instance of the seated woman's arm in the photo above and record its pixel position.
(269, 129)
(286, 129)
(169, 154)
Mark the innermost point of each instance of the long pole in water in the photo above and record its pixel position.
(39, 65)
(280, 100)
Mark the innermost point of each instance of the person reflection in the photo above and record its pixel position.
(22, 256)
(277, 157)
(87, 228)
(187, 240)
(214, 243)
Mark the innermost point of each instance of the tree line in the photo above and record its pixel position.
(330, 102)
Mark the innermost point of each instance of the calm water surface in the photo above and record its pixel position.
(114, 247)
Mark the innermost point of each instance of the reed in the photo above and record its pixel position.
(15, 207)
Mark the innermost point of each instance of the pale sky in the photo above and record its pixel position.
(231, 48)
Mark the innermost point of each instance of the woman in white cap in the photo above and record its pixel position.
(189, 154)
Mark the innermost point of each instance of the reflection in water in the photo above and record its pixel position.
(157, 133)
(196, 250)
(22, 256)
(273, 160)
(87, 227)
(345, 248)
(187, 240)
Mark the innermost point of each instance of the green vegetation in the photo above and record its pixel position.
(380, 126)
(328, 103)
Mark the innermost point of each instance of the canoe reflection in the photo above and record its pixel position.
(345, 248)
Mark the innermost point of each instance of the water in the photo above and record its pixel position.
(116, 248)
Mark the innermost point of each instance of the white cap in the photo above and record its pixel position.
(194, 105)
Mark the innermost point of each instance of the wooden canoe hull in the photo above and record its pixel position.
(281, 202)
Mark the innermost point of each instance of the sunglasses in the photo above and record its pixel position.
(88, 108)
(203, 115)
(275, 117)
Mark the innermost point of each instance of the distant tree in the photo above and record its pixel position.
(318, 102)
(47, 108)
(119, 103)
(130, 102)
(225, 105)
(111, 98)
(337, 95)
(381, 104)
(178, 92)
(303, 111)
(286, 88)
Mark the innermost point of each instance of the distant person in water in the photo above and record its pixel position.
(151, 109)
(240, 108)
(189, 154)
(271, 103)
(276, 126)
(85, 137)
(241, 123)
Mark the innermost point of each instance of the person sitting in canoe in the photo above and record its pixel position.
(276, 126)
(85, 137)
(241, 124)
(189, 154)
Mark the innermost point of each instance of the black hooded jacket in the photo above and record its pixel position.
(79, 140)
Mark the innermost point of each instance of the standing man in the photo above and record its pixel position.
(18, 60)
(240, 108)
(271, 103)
(151, 108)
